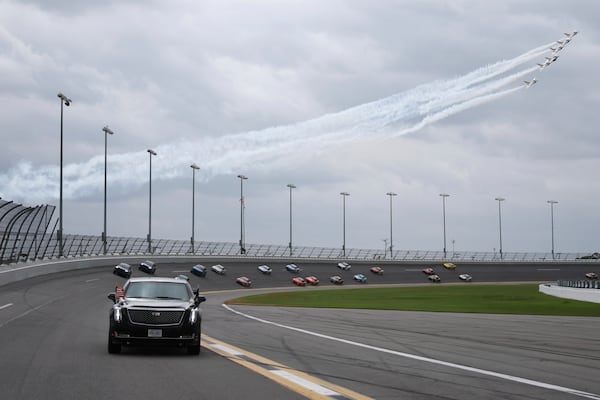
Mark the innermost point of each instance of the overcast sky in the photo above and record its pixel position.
(228, 85)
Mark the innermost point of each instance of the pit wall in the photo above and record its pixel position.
(591, 295)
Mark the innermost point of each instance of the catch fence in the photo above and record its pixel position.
(29, 233)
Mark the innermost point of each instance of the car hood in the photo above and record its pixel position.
(156, 303)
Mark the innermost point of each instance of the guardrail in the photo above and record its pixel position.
(45, 246)
(581, 284)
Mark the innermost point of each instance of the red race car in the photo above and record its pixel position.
(428, 271)
(299, 281)
(312, 280)
(377, 270)
(244, 281)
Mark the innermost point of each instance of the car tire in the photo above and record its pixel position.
(113, 348)
(194, 349)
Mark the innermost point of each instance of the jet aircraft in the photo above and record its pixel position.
(530, 83)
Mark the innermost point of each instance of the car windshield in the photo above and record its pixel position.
(158, 290)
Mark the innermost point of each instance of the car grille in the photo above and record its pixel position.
(155, 317)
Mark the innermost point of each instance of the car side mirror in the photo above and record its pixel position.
(199, 299)
(111, 296)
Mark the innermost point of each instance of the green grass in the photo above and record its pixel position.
(491, 299)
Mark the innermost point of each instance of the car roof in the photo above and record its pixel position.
(157, 279)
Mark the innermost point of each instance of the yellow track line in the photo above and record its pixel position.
(297, 381)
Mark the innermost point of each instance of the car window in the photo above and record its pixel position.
(164, 290)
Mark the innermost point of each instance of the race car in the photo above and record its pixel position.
(244, 281)
(377, 270)
(336, 280)
(122, 269)
(312, 280)
(450, 266)
(465, 277)
(428, 271)
(591, 275)
(292, 268)
(199, 270)
(218, 268)
(265, 269)
(360, 278)
(593, 256)
(148, 267)
(344, 266)
(299, 281)
(434, 278)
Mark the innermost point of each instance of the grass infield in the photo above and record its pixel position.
(490, 299)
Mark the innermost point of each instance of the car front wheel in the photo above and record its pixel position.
(194, 349)
(113, 348)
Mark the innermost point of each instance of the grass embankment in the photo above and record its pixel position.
(491, 299)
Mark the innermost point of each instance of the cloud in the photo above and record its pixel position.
(204, 82)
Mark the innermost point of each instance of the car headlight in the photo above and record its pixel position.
(193, 315)
(117, 314)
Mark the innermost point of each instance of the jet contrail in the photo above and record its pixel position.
(393, 116)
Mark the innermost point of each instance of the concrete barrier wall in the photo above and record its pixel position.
(591, 295)
(21, 271)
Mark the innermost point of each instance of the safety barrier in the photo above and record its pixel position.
(582, 284)
(27, 234)
(573, 293)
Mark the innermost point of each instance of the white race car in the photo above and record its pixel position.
(465, 277)
(344, 266)
(219, 269)
(265, 269)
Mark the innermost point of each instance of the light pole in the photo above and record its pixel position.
(291, 186)
(444, 195)
(194, 167)
(107, 131)
(500, 200)
(67, 102)
(391, 194)
(150, 153)
(344, 195)
(242, 207)
(552, 203)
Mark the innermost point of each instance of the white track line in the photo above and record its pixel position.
(6, 306)
(525, 381)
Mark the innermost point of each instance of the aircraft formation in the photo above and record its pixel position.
(560, 44)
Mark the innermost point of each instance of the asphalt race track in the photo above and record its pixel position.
(53, 333)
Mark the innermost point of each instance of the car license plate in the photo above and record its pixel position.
(154, 332)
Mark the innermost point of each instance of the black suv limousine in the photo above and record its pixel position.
(155, 311)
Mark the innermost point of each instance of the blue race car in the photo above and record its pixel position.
(199, 270)
(292, 268)
(360, 278)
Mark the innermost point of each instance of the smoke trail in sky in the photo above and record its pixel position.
(392, 116)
